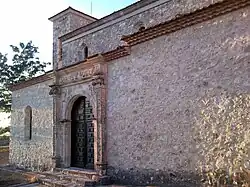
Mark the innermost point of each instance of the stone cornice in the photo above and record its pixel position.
(33, 81)
(117, 53)
(186, 20)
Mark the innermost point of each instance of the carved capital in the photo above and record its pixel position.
(98, 81)
(55, 90)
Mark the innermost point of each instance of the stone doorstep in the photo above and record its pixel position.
(81, 175)
(30, 176)
(93, 175)
(63, 180)
(27, 185)
(123, 186)
(62, 183)
(56, 183)
(58, 176)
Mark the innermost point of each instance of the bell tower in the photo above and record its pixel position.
(63, 23)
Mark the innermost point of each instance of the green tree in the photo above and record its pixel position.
(4, 130)
(24, 65)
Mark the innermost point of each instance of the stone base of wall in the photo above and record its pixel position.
(152, 177)
(33, 155)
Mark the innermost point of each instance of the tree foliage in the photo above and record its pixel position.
(24, 65)
(4, 130)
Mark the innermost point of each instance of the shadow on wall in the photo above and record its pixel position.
(149, 177)
(222, 136)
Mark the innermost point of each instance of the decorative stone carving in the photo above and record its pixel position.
(55, 90)
(102, 168)
(92, 90)
(81, 75)
(99, 87)
(98, 81)
(92, 73)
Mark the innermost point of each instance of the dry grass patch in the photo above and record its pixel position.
(4, 149)
(4, 155)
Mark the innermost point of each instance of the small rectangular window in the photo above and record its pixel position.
(28, 123)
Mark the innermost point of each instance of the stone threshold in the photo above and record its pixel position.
(62, 178)
(91, 174)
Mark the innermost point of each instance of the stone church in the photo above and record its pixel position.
(155, 93)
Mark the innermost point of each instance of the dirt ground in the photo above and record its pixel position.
(9, 178)
(4, 157)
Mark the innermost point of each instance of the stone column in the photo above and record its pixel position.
(55, 93)
(100, 91)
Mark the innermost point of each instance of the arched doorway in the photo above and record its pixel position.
(82, 134)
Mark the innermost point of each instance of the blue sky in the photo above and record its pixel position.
(25, 20)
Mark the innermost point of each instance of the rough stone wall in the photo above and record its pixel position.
(109, 38)
(177, 100)
(63, 26)
(73, 52)
(37, 152)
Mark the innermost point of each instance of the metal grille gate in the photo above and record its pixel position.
(82, 135)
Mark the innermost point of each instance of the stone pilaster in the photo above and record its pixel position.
(55, 93)
(99, 85)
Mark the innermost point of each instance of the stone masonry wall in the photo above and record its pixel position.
(178, 106)
(37, 152)
(109, 38)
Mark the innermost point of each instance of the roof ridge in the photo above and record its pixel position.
(73, 9)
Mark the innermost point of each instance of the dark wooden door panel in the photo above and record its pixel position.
(82, 135)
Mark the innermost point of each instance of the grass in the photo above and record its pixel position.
(4, 149)
(4, 155)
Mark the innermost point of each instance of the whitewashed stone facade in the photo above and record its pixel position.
(36, 152)
(168, 82)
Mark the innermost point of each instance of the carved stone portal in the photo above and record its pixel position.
(89, 83)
